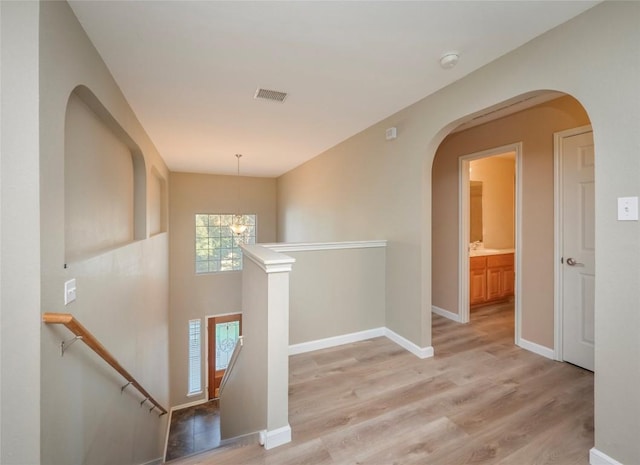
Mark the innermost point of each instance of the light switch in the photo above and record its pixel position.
(627, 208)
(69, 291)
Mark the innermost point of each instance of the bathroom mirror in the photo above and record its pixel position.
(475, 211)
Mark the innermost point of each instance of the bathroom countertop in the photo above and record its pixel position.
(485, 252)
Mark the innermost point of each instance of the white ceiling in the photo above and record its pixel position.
(190, 69)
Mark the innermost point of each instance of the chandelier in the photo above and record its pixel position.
(238, 227)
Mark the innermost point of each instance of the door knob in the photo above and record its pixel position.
(572, 262)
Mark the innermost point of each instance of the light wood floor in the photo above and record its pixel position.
(480, 400)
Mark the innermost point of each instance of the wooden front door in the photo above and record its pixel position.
(223, 332)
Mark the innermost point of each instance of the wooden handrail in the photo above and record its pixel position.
(89, 339)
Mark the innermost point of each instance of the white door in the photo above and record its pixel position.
(578, 249)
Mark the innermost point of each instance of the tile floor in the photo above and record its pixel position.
(193, 429)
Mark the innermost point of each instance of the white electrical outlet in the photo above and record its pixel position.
(69, 291)
(627, 208)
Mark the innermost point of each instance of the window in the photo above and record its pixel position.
(195, 366)
(217, 248)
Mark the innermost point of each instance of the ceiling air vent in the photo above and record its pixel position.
(270, 95)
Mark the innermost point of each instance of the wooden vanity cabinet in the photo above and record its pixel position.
(477, 280)
(491, 278)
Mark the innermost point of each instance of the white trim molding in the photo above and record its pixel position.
(310, 246)
(420, 352)
(269, 260)
(303, 347)
(189, 404)
(277, 437)
(537, 348)
(464, 231)
(446, 313)
(464, 237)
(166, 435)
(157, 461)
(597, 457)
(334, 341)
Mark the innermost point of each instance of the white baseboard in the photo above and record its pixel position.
(537, 348)
(277, 437)
(446, 313)
(420, 352)
(166, 436)
(600, 458)
(335, 341)
(157, 461)
(189, 404)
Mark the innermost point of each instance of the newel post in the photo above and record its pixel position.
(259, 385)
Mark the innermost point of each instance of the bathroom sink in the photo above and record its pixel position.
(482, 252)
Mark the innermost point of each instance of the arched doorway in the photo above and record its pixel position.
(530, 129)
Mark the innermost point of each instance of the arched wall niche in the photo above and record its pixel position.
(158, 201)
(105, 181)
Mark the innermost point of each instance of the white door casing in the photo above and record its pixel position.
(463, 237)
(575, 247)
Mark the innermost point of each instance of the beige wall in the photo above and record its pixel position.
(19, 234)
(359, 190)
(497, 175)
(336, 292)
(534, 128)
(122, 290)
(366, 188)
(197, 296)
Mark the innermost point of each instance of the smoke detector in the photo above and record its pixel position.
(449, 59)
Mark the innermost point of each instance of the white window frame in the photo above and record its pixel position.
(194, 379)
(217, 248)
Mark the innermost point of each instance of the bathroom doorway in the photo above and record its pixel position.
(489, 218)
